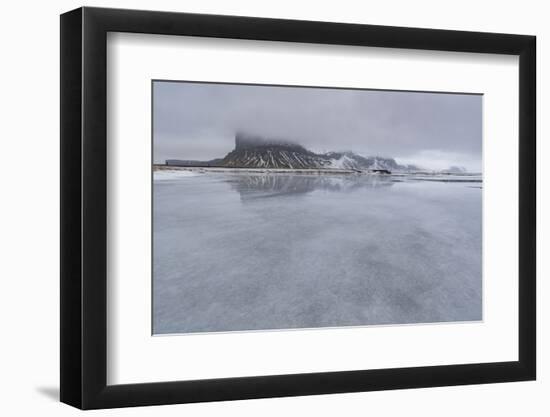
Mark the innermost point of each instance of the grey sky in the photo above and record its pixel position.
(199, 121)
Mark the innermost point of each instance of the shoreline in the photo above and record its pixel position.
(428, 176)
(314, 171)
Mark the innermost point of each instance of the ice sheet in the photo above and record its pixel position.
(276, 251)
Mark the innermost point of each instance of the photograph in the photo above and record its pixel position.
(297, 207)
(279, 205)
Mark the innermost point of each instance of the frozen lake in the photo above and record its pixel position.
(277, 251)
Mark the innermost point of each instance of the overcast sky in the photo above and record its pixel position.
(435, 131)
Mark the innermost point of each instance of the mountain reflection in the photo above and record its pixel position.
(255, 186)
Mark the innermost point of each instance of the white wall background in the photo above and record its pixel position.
(29, 237)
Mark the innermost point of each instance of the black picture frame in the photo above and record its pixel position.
(84, 207)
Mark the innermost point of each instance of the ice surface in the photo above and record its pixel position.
(168, 175)
(276, 251)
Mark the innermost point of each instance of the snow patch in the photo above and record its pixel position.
(344, 162)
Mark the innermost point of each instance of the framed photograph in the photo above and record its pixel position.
(259, 208)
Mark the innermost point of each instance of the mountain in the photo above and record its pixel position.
(351, 160)
(454, 170)
(257, 152)
(253, 151)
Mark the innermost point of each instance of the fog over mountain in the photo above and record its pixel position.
(198, 121)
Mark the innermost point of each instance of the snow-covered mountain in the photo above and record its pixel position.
(454, 170)
(351, 160)
(258, 152)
